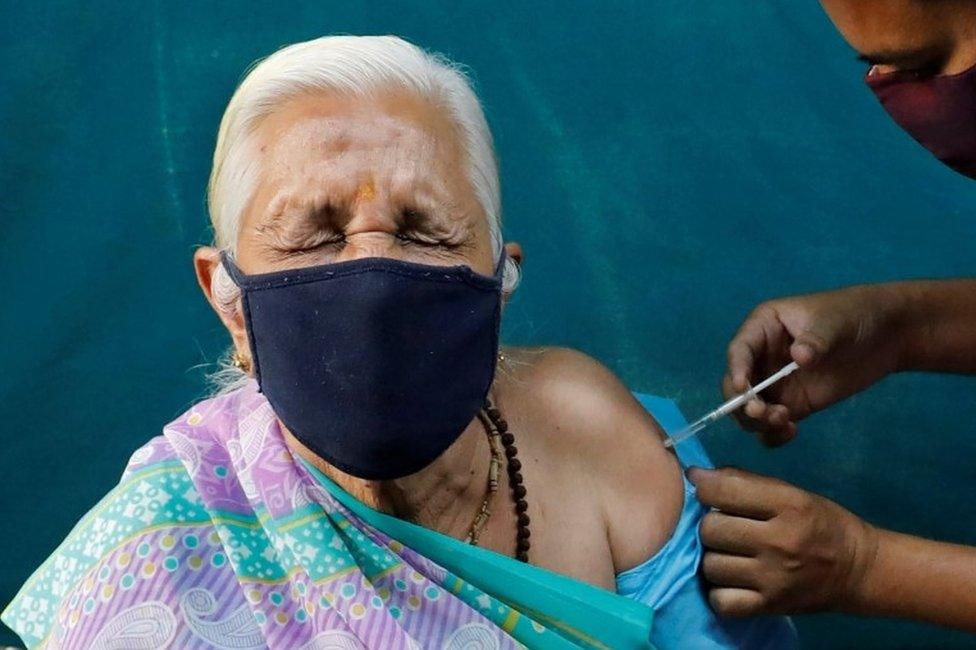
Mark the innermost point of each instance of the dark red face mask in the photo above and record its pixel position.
(938, 111)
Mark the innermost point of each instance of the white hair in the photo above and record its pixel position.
(357, 66)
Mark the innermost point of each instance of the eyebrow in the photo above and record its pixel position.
(421, 217)
(428, 211)
(425, 206)
(325, 207)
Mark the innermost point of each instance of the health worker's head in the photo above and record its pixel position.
(922, 67)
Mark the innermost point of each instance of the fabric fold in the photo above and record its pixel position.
(219, 537)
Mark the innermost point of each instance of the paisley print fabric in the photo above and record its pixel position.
(218, 537)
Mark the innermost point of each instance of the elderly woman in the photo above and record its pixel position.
(379, 473)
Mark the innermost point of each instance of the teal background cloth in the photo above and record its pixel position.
(666, 166)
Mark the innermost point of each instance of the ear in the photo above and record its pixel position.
(206, 259)
(514, 251)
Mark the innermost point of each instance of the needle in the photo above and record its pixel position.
(729, 406)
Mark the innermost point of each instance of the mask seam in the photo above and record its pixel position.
(488, 284)
(245, 303)
(449, 274)
(495, 336)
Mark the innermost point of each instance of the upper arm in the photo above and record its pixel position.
(637, 481)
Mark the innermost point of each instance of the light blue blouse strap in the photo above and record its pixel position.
(690, 452)
(668, 581)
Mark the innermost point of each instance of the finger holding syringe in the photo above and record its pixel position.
(730, 406)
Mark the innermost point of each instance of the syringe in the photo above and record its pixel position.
(730, 406)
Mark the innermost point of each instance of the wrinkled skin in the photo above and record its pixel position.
(342, 178)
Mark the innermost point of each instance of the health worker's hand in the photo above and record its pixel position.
(843, 340)
(772, 548)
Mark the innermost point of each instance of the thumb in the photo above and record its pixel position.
(813, 344)
(804, 353)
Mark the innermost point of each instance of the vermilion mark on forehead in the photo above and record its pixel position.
(366, 191)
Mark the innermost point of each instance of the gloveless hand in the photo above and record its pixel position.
(844, 341)
(772, 548)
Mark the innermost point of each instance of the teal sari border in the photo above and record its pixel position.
(576, 610)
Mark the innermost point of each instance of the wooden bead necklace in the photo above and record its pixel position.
(497, 429)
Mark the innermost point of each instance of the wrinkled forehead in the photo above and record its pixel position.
(397, 139)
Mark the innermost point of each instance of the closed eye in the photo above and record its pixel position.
(419, 241)
(335, 240)
(926, 62)
(331, 240)
(922, 71)
(418, 227)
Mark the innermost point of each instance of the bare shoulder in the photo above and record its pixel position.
(585, 418)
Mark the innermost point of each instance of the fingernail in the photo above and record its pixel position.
(754, 408)
(803, 352)
(693, 472)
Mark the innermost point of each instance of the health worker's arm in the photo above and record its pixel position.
(772, 548)
(940, 331)
(844, 341)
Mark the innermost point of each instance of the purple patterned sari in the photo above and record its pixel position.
(218, 537)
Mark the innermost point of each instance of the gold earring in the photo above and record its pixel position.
(241, 362)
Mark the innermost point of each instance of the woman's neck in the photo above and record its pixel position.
(444, 496)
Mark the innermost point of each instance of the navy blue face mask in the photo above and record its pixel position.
(376, 365)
